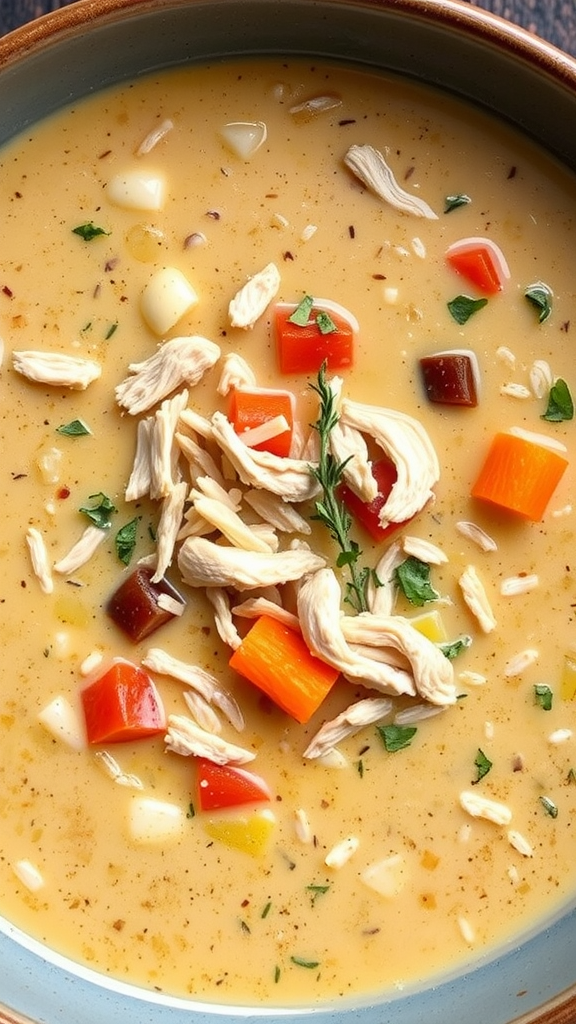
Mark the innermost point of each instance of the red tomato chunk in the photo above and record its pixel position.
(122, 705)
(225, 785)
(303, 349)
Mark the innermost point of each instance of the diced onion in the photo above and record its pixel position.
(64, 723)
(244, 137)
(386, 877)
(137, 190)
(166, 298)
(154, 821)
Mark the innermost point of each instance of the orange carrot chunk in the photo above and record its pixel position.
(276, 660)
(122, 705)
(519, 475)
(252, 407)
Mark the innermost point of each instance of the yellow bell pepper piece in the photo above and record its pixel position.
(249, 832)
(430, 624)
(568, 678)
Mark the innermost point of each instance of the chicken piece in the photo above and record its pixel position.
(211, 488)
(56, 369)
(482, 807)
(39, 559)
(227, 631)
(382, 597)
(348, 446)
(406, 443)
(347, 723)
(229, 523)
(205, 564)
(200, 462)
(278, 513)
(319, 599)
(168, 527)
(236, 373)
(476, 598)
(432, 670)
(141, 475)
(251, 300)
(176, 362)
(82, 551)
(477, 535)
(424, 550)
(202, 713)
(291, 479)
(186, 738)
(254, 607)
(368, 164)
(164, 450)
(197, 679)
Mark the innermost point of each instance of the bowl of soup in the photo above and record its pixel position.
(289, 695)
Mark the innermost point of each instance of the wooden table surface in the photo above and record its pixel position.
(554, 20)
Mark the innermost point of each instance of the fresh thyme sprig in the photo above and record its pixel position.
(329, 509)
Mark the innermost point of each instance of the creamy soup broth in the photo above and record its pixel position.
(193, 917)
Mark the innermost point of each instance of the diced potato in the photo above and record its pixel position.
(155, 821)
(137, 190)
(387, 877)
(166, 298)
(248, 832)
(430, 624)
(64, 723)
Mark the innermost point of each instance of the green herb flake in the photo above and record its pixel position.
(301, 314)
(453, 648)
(360, 768)
(266, 910)
(482, 764)
(111, 330)
(276, 974)
(543, 696)
(396, 737)
(316, 891)
(540, 295)
(549, 806)
(413, 578)
(328, 509)
(89, 231)
(125, 541)
(560, 405)
(300, 961)
(101, 513)
(453, 202)
(76, 428)
(325, 323)
(191, 813)
(463, 307)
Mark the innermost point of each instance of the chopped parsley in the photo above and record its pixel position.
(111, 330)
(266, 909)
(560, 405)
(89, 231)
(543, 696)
(413, 578)
(549, 806)
(453, 648)
(316, 891)
(76, 428)
(125, 541)
(360, 768)
(325, 323)
(463, 307)
(482, 764)
(301, 314)
(396, 737)
(300, 961)
(453, 202)
(540, 295)
(101, 513)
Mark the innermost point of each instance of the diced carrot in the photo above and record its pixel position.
(324, 333)
(367, 513)
(519, 475)
(123, 704)
(481, 262)
(251, 407)
(277, 660)
(226, 785)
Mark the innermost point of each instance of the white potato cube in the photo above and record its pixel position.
(137, 190)
(166, 298)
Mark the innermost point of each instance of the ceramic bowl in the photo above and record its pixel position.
(94, 43)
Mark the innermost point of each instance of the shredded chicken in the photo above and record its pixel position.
(424, 550)
(176, 362)
(197, 679)
(482, 807)
(227, 631)
(382, 596)
(433, 672)
(291, 479)
(349, 448)
(278, 513)
(154, 136)
(168, 527)
(186, 738)
(476, 598)
(202, 712)
(229, 523)
(200, 461)
(251, 301)
(236, 373)
(254, 607)
(319, 599)
(39, 559)
(477, 535)
(407, 444)
(82, 551)
(141, 475)
(368, 164)
(347, 723)
(205, 564)
(57, 369)
(164, 450)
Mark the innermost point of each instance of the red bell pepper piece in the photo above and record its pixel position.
(251, 407)
(324, 333)
(123, 704)
(226, 785)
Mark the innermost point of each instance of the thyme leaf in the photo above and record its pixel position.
(101, 513)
